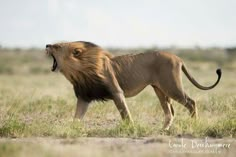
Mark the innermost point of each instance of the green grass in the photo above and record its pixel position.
(35, 102)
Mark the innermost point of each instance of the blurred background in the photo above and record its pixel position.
(200, 30)
(133, 23)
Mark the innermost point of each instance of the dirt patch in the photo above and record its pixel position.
(100, 147)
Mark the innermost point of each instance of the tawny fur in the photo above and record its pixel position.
(96, 75)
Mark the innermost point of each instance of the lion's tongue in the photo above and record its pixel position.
(54, 66)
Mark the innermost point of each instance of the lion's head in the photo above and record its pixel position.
(81, 62)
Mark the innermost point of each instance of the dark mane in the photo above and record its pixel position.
(90, 90)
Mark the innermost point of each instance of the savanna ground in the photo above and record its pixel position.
(37, 108)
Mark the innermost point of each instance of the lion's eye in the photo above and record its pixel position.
(76, 52)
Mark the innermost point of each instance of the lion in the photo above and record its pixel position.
(96, 75)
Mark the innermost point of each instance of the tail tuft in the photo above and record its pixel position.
(219, 72)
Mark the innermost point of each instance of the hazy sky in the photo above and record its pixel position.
(126, 23)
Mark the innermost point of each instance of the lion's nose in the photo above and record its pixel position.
(48, 45)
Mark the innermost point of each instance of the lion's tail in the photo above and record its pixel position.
(191, 79)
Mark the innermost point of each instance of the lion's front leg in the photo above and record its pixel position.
(117, 93)
(81, 108)
(121, 105)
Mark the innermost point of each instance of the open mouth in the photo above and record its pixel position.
(54, 65)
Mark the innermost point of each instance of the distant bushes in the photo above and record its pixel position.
(17, 61)
(34, 61)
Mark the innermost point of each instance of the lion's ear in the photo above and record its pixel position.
(77, 52)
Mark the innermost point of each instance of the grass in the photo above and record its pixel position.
(35, 102)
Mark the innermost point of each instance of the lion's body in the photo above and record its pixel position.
(133, 77)
(96, 75)
(135, 72)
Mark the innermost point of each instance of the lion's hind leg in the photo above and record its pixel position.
(166, 106)
(177, 93)
(191, 105)
(184, 99)
(171, 84)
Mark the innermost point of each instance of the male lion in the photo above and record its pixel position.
(96, 75)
